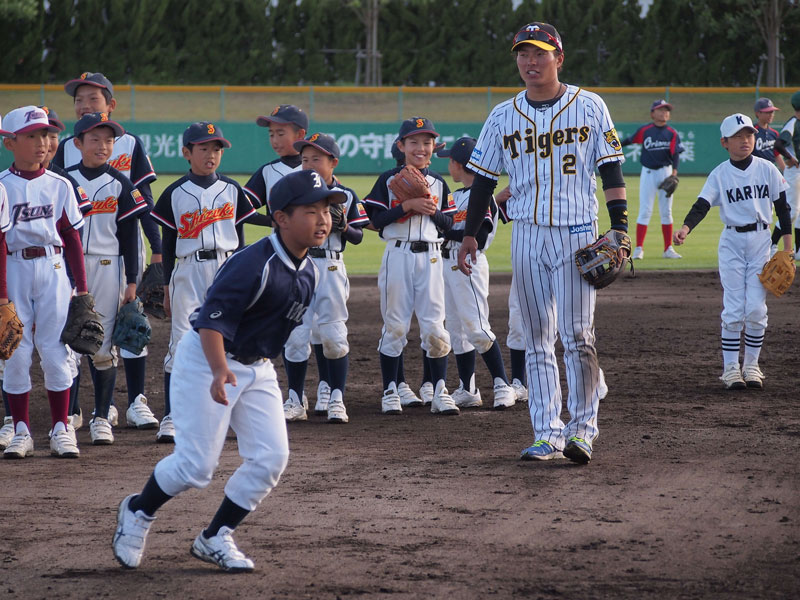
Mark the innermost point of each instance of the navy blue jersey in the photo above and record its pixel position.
(765, 143)
(84, 204)
(260, 183)
(660, 145)
(257, 298)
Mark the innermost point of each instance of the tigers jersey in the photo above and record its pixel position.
(355, 213)
(412, 227)
(128, 157)
(260, 183)
(461, 202)
(550, 154)
(113, 200)
(744, 196)
(205, 218)
(38, 208)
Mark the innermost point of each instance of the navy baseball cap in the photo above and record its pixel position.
(299, 188)
(541, 35)
(25, 119)
(416, 125)
(460, 151)
(321, 142)
(765, 105)
(285, 113)
(660, 104)
(204, 131)
(94, 79)
(796, 101)
(91, 121)
(734, 124)
(52, 118)
(397, 154)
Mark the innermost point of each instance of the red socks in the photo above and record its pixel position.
(666, 231)
(641, 231)
(18, 403)
(59, 405)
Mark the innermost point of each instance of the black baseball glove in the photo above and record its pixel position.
(151, 290)
(338, 218)
(83, 331)
(602, 261)
(132, 329)
(669, 185)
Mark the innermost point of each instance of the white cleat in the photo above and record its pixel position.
(638, 253)
(6, 432)
(407, 396)
(670, 253)
(602, 388)
(63, 444)
(390, 403)
(293, 409)
(520, 390)
(139, 414)
(166, 431)
(465, 399)
(426, 392)
(76, 420)
(336, 410)
(323, 397)
(222, 551)
(753, 377)
(21, 446)
(131, 535)
(732, 377)
(504, 395)
(113, 415)
(443, 403)
(100, 430)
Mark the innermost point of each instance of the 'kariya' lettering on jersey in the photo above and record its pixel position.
(747, 192)
(25, 212)
(544, 142)
(296, 312)
(194, 222)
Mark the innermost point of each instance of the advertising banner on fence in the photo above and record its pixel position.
(366, 147)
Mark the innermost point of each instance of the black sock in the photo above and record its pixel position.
(466, 368)
(438, 369)
(401, 369)
(296, 375)
(337, 372)
(494, 362)
(228, 514)
(103, 389)
(167, 377)
(426, 368)
(74, 393)
(134, 376)
(518, 365)
(322, 365)
(776, 235)
(150, 499)
(389, 369)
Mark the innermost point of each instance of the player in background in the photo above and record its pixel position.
(44, 221)
(202, 218)
(661, 147)
(93, 93)
(789, 140)
(745, 188)
(325, 323)
(110, 246)
(287, 124)
(410, 277)
(554, 208)
(467, 298)
(223, 376)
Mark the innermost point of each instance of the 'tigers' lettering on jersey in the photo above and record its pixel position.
(544, 141)
(748, 192)
(23, 212)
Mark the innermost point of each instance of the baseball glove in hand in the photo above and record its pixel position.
(151, 290)
(83, 331)
(602, 261)
(408, 183)
(10, 330)
(778, 273)
(669, 185)
(338, 218)
(132, 329)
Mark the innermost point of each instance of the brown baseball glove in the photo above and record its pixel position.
(83, 331)
(151, 290)
(602, 261)
(10, 330)
(338, 218)
(408, 183)
(669, 185)
(778, 273)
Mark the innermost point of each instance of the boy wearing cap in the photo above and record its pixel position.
(91, 93)
(410, 278)
(661, 147)
(44, 222)
(467, 298)
(745, 188)
(325, 323)
(223, 376)
(110, 247)
(790, 140)
(287, 124)
(201, 215)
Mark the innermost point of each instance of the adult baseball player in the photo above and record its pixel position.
(661, 148)
(790, 139)
(550, 138)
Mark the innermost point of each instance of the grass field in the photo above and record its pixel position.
(700, 251)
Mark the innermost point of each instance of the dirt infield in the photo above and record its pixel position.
(692, 491)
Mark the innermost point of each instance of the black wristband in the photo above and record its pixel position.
(618, 213)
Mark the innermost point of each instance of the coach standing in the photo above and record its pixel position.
(550, 138)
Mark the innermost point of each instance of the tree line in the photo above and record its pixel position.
(454, 43)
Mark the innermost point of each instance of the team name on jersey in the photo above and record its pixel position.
(25, 212)
(122, 163)
(747, 192)
(191, 224)
(460, 216)
(652, 144)
(544, 141)
(762, 144)
(109, 205)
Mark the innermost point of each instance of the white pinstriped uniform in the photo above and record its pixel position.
(550, 155)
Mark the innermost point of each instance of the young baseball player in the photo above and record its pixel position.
(202, 216)
(745, 188)
(661, 148)
(93, 92)
(44, 221)
(467, 298)
(223, 376)
(410, 277)
(789, 140)
(554, 207)
(325, 323)
(110, 246)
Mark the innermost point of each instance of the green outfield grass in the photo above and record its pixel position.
(699, 252)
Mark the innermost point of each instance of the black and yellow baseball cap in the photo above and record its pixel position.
(542, 35)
